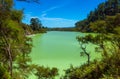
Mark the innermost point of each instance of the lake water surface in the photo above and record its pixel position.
(59, 49)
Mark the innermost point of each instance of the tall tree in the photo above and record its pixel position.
(83, 44)
(15, 46)
(12, 38)
(35, 24)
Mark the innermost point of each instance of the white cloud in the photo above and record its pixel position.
(50, 9)
(51, 21)
(56, 22)
(43, 15)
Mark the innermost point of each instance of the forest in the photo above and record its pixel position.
(104, 10)
(15, 46)
(105, 22)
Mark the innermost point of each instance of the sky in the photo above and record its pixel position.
(57, 13)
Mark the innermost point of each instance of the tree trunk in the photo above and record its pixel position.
(10, 59)
(88, 56)
(8, 48)
(86, 53)
(88, 59)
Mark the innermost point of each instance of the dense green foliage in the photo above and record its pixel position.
(13, 42)
(107, 39)
(108, 8)
(15, 46)
(62, 29)
(36, 25)
(46, 73)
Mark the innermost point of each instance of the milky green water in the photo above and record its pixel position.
(59, 49)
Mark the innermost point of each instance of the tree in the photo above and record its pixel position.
(17, 15)
(98, 26)
(13, 42)
(108, 8)
(101, 11)
(46, 73)
(83, 41)
(108, 42)
(3, 73)
(81, 24)
(15, 46)
(35, 24)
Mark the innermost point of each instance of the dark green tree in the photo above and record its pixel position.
(83, 44)
(108, 8)
(46, 73)
(15, 46)
(108, 42)
(35, 24)
(13, 42)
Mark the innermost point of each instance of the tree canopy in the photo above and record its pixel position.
(15, 46)
(108, 8)
(107, 40)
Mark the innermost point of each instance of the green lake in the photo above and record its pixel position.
(59, 49)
